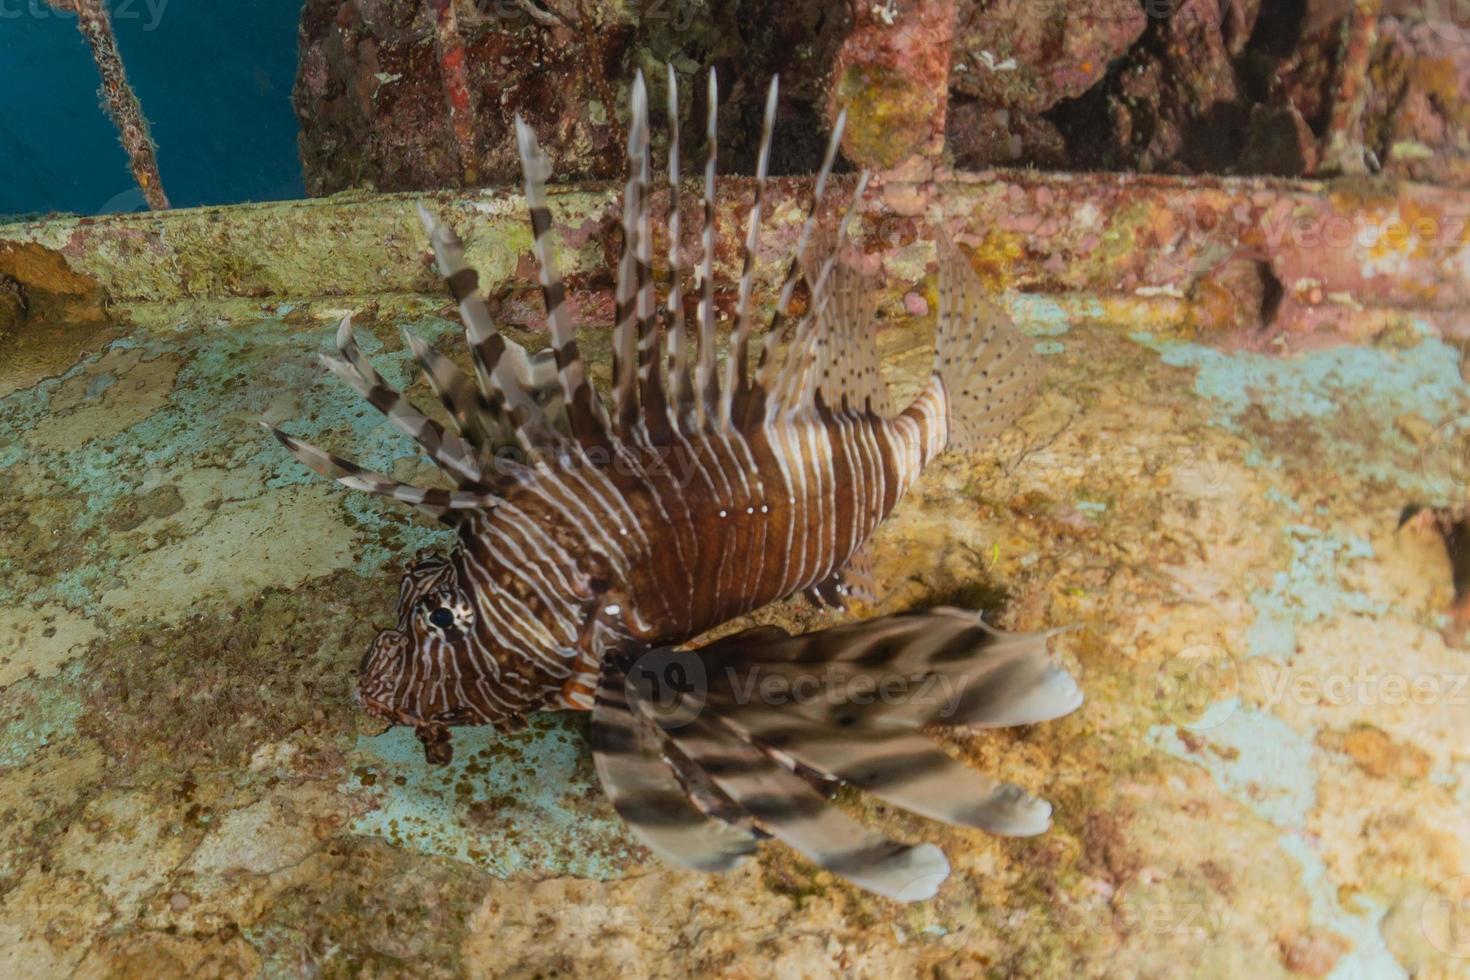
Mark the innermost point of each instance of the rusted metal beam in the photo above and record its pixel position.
(1349, 256)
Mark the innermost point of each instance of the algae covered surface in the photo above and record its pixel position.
(1269, 776)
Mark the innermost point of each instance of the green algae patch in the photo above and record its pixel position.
(513, 804)
(888, 115)
(38, 713)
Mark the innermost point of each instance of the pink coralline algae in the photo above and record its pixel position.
(892, 77)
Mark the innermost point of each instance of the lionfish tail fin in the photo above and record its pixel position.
(987, 369)
(771, 724)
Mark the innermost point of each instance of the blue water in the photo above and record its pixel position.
(214, 78)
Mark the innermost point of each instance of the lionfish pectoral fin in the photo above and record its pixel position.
(784, 803)
(773, 719)
(631, 755)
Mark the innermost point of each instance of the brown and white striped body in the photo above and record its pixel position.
(686, 537)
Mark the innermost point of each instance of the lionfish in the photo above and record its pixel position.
(585, 557)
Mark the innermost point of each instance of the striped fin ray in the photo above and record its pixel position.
(977, 676)
(706, 379)
(629, 753)
(681, 391)
(908, 770)
(483, 425)
(446, 449)
(495, 374)
(788, 808)
(737, 367)
(585, 412)
(762, 715)
(800, 260)
(437, 503)
(627, 325)
(651, 390)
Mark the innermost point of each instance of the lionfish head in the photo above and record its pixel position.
(436, 624)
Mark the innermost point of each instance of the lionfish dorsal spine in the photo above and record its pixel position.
(680, 390)
(477, 421)
(769, 364)
(707, 385)
(586, 416)
(445, 448)
(494, 372)
(737, 360)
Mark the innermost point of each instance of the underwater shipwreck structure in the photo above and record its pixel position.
(1243, 479)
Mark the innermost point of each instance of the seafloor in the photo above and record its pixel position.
(1270, 775)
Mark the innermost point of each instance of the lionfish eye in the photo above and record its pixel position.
(442, 618)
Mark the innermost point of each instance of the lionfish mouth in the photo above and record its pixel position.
(386, 712)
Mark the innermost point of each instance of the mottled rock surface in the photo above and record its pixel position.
(392, 96)
(375, 111)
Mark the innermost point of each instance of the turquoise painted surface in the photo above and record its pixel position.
(1308, 590)
(1349, 398)
(1264, 763)
(1336, 412)
(37, 713)
(513, 804)
(229, 378)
